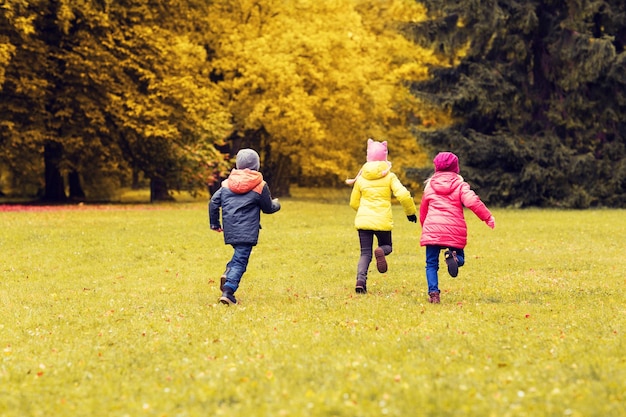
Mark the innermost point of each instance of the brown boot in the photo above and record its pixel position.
(361, 286)
(381, 262)
(433, 298)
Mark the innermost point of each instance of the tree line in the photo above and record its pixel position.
(97, 95)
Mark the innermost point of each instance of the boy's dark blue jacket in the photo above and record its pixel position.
(242, 197)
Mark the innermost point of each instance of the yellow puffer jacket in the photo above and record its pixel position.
(371, 197)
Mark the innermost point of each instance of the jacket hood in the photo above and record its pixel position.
(444, 182)
(240, 181)
(375, 170)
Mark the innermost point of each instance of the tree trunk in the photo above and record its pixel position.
(276, 173)
(76, 189)
(159, 190)
(135, 185)
(55, 187)
(215, 186)
(276, 167)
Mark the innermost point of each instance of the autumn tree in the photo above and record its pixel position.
(51, 107)
(110, 87)
(539, 100)
(22, 107)
(308, 82)
(169, 115)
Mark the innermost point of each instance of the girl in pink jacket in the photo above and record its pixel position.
(443, 221)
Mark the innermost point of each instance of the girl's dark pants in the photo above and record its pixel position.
(366, 239)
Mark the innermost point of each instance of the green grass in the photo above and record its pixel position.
(112, 311)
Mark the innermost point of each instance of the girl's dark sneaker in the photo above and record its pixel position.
(222, 282)
(452, 262)
(381, 262)
(228, 298)
(361, 286)
(433, 297)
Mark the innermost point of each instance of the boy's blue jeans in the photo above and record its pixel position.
(236, 267)
(432, 264)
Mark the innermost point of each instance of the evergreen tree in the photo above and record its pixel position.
(539, 98)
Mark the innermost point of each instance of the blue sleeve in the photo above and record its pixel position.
(268, 205)
(214, 209)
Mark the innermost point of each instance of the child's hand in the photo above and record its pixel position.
(217, 228)
(491, 222)
(412, 218)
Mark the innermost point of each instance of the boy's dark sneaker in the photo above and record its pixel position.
(222, 282)
(361, 286)
(228, 298)
(381, 262)
(452, 262)
(433, 297)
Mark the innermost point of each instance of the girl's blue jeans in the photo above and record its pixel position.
(432, 264)
(236, 267)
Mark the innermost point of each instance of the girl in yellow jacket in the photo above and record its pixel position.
(371, 198)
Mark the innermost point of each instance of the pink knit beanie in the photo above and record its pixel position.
(446, 161)
(376, 152)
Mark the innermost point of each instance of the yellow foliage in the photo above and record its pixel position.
(6, 52)
(322, 77)
(461, 53)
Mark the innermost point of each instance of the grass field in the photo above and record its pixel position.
(112, 311)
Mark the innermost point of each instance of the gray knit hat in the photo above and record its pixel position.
(248, 158)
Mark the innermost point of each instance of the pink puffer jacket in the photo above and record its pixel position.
(441, 210)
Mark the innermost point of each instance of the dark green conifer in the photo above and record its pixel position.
(540, 98)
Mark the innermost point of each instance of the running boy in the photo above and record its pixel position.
(242, 197)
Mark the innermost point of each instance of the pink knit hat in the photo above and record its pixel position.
(376, 152)
(446, 161)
